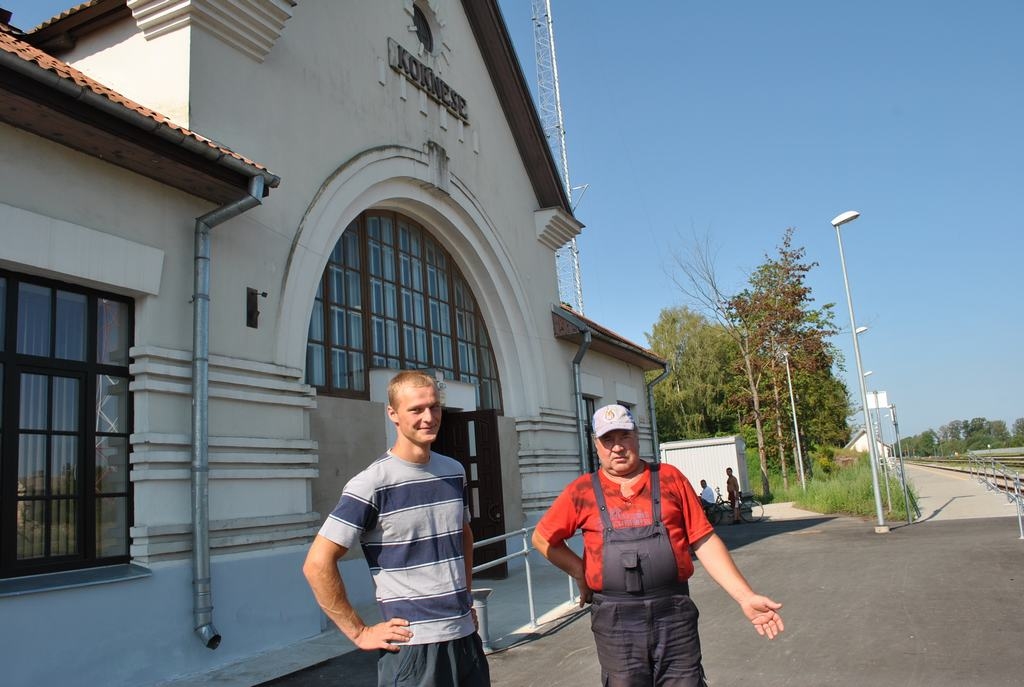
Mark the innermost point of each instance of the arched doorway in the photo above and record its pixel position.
(391, 297)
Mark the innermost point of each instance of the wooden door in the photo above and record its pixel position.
(472, 439)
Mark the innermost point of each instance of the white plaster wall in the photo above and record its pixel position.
(154, 72)
(325, 105)
(312, 108)
(135, 633)
(345, 133)
(262, 459)
(321, 106)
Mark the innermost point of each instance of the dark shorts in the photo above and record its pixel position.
(456, 663)
(647, 642)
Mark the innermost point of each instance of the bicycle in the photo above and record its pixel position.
(751, 510)
(715, 511)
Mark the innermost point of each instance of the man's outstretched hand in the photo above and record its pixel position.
(762, 613)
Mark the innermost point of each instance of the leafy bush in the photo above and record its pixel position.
(823, 460)
(845, 490)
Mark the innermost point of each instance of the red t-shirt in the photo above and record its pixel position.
(576, 508)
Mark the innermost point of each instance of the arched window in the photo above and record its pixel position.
(423, 32)
(391, 297)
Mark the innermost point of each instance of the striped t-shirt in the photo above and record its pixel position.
(408, 518)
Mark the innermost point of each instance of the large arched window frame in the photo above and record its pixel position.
(392, 297)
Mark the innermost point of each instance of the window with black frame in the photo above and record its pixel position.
(590, 405)
(392, 297)
(65, 419)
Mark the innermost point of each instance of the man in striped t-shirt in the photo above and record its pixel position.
(410, 513)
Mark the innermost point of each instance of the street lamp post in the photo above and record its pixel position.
(796, 427)
(838, 221)
(903, 468)
(877, 436)
(884, 460)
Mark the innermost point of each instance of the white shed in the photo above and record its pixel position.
(707, 459)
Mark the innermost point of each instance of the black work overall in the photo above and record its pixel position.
(644, 623)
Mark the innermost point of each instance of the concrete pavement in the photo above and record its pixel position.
(930, 604)
(946, 495)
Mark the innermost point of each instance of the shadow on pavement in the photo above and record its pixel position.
(359, 668)
(356, 668)
(737, 536)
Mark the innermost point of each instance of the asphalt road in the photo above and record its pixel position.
(931, 604)
(927, 605)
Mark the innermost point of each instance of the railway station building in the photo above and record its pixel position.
(224, 226)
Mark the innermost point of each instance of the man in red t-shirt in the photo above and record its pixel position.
(639, 525)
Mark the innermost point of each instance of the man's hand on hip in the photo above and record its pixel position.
(385, 635)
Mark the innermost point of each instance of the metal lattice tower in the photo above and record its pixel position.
(567, 258)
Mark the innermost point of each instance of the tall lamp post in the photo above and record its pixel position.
(903, 470)
(796, 427)
(883, 459)
(837, 222)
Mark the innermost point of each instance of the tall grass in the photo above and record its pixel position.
(845, 491)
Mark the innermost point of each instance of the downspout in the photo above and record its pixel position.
(654, 418)
(581, 408)
(202, 600)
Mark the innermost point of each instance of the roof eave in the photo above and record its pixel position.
(507, 76)
(603, 340)
(43, 102)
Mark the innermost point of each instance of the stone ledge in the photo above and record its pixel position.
(251, 27)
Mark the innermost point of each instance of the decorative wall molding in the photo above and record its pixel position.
(170, 371)
(555, 227)
(276, 466)
(250, 26)
(168, 542)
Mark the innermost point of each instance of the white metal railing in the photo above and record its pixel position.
(523, 553)
(999, 478)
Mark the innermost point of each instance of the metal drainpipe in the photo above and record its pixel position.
(581, 408)
(202, 600)
(654, 418)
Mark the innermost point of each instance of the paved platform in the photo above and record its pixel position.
(930, 604)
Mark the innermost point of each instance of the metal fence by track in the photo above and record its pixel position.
(997, 477)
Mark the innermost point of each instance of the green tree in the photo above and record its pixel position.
(999, 432)
(1018, 431)
(694, 400)
(698, 280)
(773, 314)
(779, 313)
(823, 404)
(924, 444)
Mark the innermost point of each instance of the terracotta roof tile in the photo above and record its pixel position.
(617, 340)
(12, 44)
(67, 13)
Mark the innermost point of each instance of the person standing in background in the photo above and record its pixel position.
(732, 485)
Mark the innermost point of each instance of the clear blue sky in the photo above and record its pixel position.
(740, 119)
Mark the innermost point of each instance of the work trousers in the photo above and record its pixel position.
(649, 642)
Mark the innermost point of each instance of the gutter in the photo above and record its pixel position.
(172, 134)
(577, 386)
(259, 182)
(202, 599)
(654, 418)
